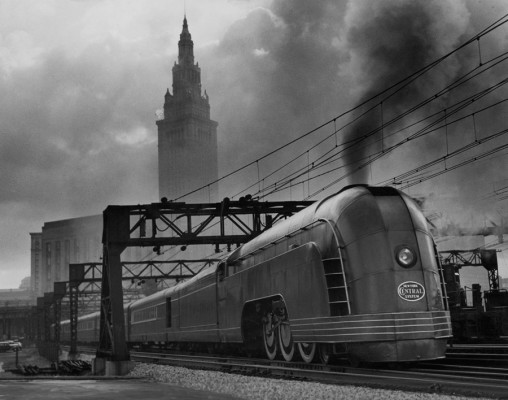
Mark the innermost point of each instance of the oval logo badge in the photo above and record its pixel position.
(411, 291)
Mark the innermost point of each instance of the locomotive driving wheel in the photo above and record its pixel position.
(269, 336)
(307, 351)
(325, 353)
(287, 347)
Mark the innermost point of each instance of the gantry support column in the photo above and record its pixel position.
(59, 292)
(112, 356)
(76, 274)
(117, 236)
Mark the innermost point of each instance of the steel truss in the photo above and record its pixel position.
(185, 224)
(486, 258)
(85, 282)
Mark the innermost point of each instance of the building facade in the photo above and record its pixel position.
(35, 261)
(187, 137)
(74, 240)
(187, 141)
(69, 241)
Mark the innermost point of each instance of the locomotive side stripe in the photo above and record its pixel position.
(382, 316)
(370, 325)
(370, 321)
(197, 326)
(398, 327)
(371, 336)
(393, 333)
(193, 292)
(373, 327)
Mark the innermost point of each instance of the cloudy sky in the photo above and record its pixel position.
(81, 81)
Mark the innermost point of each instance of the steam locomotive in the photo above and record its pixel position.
(356, 273)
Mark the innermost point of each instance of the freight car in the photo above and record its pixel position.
(356, 273)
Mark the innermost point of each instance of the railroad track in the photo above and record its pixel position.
(476, 370)
(425, 377)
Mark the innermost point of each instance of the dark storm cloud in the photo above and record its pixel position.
(70, 129)
(280, 68)
(78, 130)
(292, 67)
(389, 41)
(282, 71)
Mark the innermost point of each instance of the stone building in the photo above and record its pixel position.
(187, 136)
(74, 240)
(187, 160)
(35, 262)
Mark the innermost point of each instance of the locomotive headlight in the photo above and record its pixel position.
(406, 257)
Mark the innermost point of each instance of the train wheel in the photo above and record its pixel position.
(287, 347)
(307, 351)
(325, 353)
(269, 336)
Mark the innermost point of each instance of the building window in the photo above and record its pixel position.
(58, 265)
(98, 248)
(76, 250)
(48, 261)
(86, 252)
(67, 253)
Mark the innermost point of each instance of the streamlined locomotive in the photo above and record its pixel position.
(356, 273)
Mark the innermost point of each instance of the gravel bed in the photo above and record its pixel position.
(256, 388)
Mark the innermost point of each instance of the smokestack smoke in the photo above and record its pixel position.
(388, 41)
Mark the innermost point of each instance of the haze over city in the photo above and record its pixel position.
(82, 82)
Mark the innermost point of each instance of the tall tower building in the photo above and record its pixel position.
(187, 136)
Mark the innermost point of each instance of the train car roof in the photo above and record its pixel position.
(168, 292)
(327, 208)
(83, 317)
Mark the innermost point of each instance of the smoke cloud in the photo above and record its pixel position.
(77, 117)
(390, 40)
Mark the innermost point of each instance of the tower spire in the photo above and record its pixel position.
(187, 137)
(185, 45)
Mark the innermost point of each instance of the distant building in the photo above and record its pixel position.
(187, 160)
(503, 283)
(25, 283)
(187, 137)
(14, 307)
(74, 240)
(35, 262)
(468, 275)
(69, 241)
(15, 298)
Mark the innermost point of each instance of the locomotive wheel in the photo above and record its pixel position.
(287, 347)
(269, 337)
(325, 353)
(307, 351)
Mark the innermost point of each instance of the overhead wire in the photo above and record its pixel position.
(452, 109)
(333, 154)
(395, 87)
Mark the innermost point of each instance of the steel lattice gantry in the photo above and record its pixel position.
(185, 224)
(486, 258)
(85, 282)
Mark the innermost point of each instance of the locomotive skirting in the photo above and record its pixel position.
(373, 327)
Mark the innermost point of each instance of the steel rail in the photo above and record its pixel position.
(434, 381)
